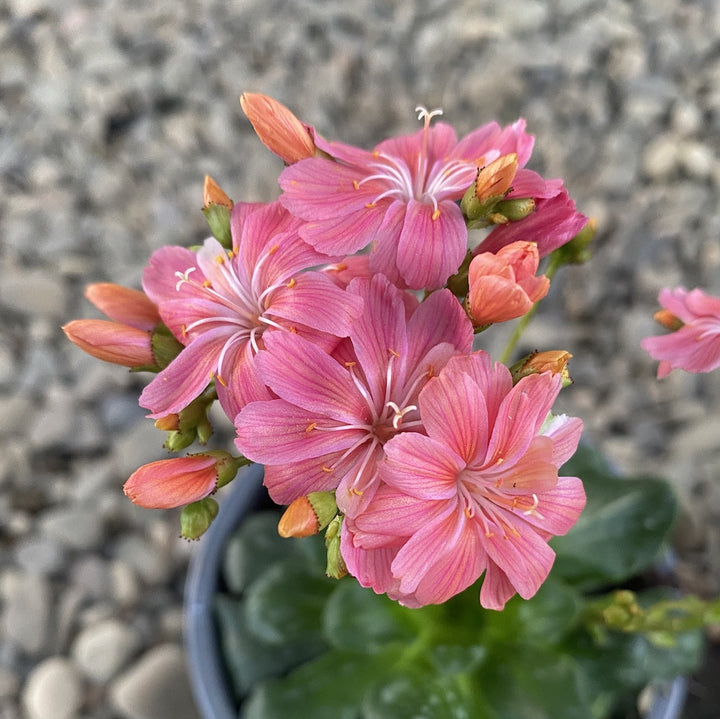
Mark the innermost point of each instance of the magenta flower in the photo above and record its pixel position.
(694, 345)
(335, 412)
(478, 493)
(401, 197)
(221, 304)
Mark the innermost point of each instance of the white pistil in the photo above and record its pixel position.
(399, 413)
(533, 510)
(183, 277)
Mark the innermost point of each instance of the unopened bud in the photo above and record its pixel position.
(577, 250)
(216, 208)
(195, 518)
(513, 210)
(668, 320)
(335, 563)
(554, 361)
(308, 515)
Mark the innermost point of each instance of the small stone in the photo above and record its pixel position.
(660, 156)
(39, 555)
(74, 527)
(146, 558)
(102, 649)
(124, 585)
(53, 690)
(9, 684)
(696, 158)
(34, 292)
(157, 687)
(26, 615)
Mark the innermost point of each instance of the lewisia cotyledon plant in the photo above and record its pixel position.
(336, 326)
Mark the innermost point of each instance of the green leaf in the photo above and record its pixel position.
(423, 696)
(248, 658)
(285, 603)
(256, 545)
(534, 683)
(330, 687)
(358, 619)
(622, 529)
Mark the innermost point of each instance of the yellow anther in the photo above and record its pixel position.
(436, 214)
(356, 184)
(370, 205)
(310, 427)
(292, 283)
(329, 470)
(207, 284)
(220, 380)
(393, 353)
(273, 250)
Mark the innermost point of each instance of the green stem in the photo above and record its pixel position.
(554, 265)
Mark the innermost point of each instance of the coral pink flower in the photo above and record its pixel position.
(112, 342)
(695, 346)
(401, 197)
(478, 493)
(220, 305)
(503, 285)
(175, 482)
(335, 412)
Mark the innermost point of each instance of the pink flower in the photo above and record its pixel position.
(335, 412)
(695, 344)
(175, 482)
(479, 493)
(401, 197)
(221, 305)
(554, 222)
(503, 285)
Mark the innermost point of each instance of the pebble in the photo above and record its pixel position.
(156, 687)
(26, 610)
(53, 690)
(103, 648)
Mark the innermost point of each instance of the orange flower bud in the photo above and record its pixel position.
(124, 305)
(495, 179)
(554, 361)
(213, 194)
(278, 129)
(299, 520)
(112, 342)
(668, 320)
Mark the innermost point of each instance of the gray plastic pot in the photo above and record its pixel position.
(208, 678)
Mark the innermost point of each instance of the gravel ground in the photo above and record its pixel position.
(110, 115)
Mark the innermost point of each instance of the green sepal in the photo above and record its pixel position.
(195, 518)
(165, 346)
(218, 218)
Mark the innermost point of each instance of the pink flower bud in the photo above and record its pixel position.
(503, 285)
(124, 305)
(112, 342)
(175, 482)
(278, 129)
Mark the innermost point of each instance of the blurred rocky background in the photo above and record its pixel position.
(111, 113)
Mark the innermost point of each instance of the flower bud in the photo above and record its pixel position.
(278, 129)
(512, 210)
(308, 515)
(188, 425)
(668, 320)
(335, 563)
(554, 361)
(216, 208)
(112, 342)
(124, 305)
(175, 482)
(195, 518)
(577, 250)
(492, 183)
(503, 285)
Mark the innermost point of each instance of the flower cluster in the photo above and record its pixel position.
(339, 328)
